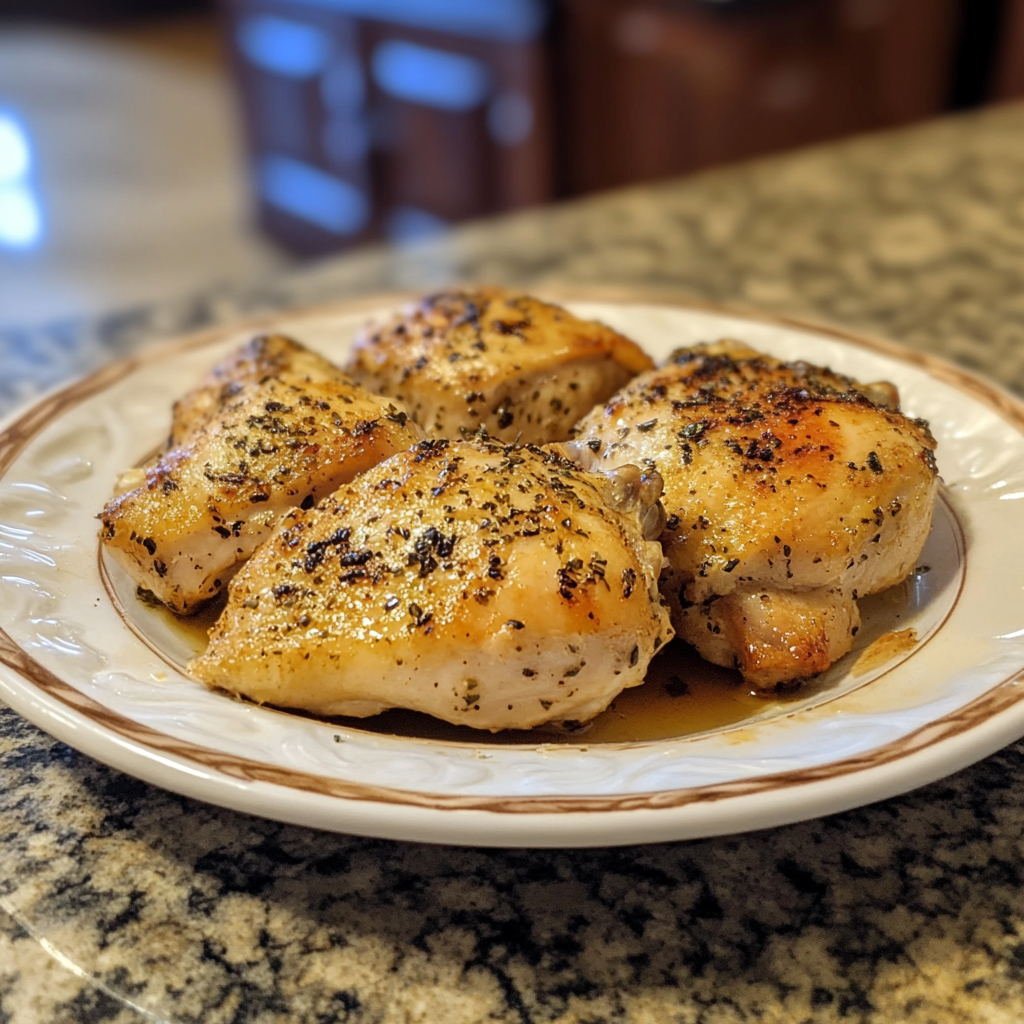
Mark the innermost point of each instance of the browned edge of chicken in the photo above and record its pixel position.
(488, 585)
(519, 367)
(791, 492)
(274, 426)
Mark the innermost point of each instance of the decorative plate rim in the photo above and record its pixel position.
(1001, 697)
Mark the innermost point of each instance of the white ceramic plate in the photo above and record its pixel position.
(874, 726)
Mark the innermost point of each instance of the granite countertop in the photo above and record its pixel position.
(120, 902)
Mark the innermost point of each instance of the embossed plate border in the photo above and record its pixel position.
(940, 746)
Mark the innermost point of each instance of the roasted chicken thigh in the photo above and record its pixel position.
(791, 492)
(490, 586)
(273, 427)
(259, 361)
(518, 367)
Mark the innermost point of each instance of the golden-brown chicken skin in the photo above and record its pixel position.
(264, 358)
(518, 367)
(489, 586)
(248, 448)
(789, 492)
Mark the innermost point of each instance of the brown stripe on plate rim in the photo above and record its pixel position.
(18, 433)
(1002, 696)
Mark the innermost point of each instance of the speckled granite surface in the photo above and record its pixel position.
(119, 902)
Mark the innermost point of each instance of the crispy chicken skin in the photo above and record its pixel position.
(273, 427)
(487, 585)
(789, 492)
(519, 367)
(263, 358)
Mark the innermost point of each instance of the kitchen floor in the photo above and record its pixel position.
(125, 180)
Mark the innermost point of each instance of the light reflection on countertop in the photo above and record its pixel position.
(21, 222)
(121, 178)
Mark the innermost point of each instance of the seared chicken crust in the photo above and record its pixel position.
(520, 368)
(487, 585)
(263, 358)
(791, 491)
(273, 427)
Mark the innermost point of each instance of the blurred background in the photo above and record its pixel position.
(152, 148)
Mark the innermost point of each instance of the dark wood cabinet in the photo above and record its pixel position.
(1008, 77)
(377, 118)
(392, 118)
(656, 89)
